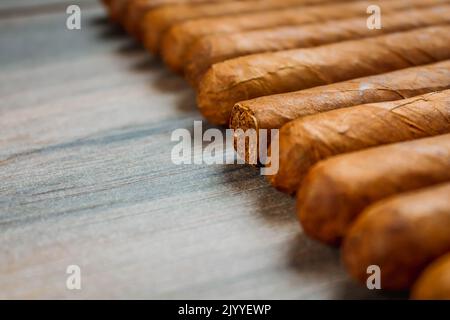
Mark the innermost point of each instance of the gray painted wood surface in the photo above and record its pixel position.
(86, 179)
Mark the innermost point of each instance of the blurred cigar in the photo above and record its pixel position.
(337, 190)
(401, 235)
(156, 22)
(135, 11)
(434, 282)
(220, 47)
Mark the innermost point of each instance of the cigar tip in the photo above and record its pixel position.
(198, 61)
(320, 218)
(153, 25)
(170, 49)
(217, 92)
(291, 167)
(242, 119)
(129, 23)
(211, 102)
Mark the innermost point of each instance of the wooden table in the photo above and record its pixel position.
(86, 179)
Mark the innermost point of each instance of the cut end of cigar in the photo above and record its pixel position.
(242, 119)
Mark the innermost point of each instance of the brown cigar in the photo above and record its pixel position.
(336, 190)
(156, 22)
(434, 282)
(231, 81)
(116, 8)
(106, 2)
(272, 112)
(177, 42)
(305, 141)
(401, 235)
(220, 47)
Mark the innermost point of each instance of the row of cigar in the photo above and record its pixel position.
(363, 114)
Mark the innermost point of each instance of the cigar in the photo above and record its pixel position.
(136, 10)
(401, 235)
(179, 39)
(305, 141)
(220, 47)
(110, 6)
(336, 190)
(434, 281)
(272, 112)
(156, 22)
(106, 2)
(231, 81)
(116, 9)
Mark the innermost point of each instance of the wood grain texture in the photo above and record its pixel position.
(86, 179)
